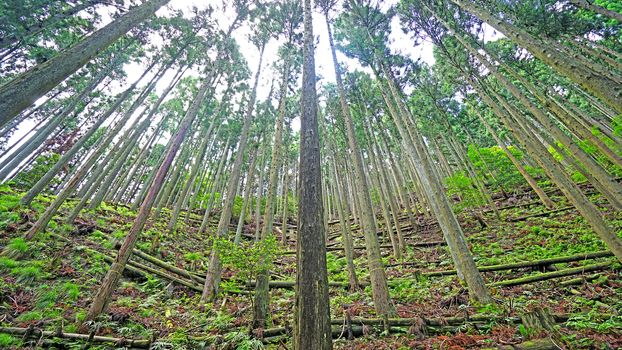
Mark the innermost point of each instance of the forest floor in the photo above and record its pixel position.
(48, 283)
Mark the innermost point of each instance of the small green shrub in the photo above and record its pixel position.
(17, 248)
(27, 273)
(7, 340)
(243, 341)
(7, 263)
(31, 316)
(71, 290)
(80, 316)
(193, 256)
(463, 186)
(47, 299)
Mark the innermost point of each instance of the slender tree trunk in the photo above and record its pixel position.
(285, 201)
(215, 185)
(595, 83)
(19, 93)
(261, 303)
(454, 236)
(345, 228)
(247, 194)
(212, 278)
(312, 308)
(109, 283)
(380, 288)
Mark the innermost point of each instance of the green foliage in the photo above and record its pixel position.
(248, 259)
(27, 273)
(242, 341)
(7, 263)
(616, 124)
(336, 267)
(71, 291)
(237, 206)
(222, 321)
(411, 290)
(8, 203)
(525, 331)
(17, 247)
(80, 316)
(591, 320)
(7, 340)
(43, 163)
(118, 234)
(47, 298)
(463, 186)
(193, 256)
(578, 177)
(31, 316)
(495, 159)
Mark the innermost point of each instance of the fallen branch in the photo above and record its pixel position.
(579, 280)
(432, 322)
(431, 325)
(537, 344)
(520, 205)
(164, 265)
(384, 246)
(552, 275)
(536, 263)
(546, 213)
(38, 333)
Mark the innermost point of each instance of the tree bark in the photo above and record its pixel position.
(312, 308)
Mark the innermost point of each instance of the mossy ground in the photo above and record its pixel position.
(49, 282)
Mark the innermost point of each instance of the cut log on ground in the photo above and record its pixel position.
(552, 275)
(38, 333)
(536, 263)
(546, 213)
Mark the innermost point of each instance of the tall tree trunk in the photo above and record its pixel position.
(262, 291)
(344, 225)
(312, 308)
(250, 177)
(380, 288)
(454, 236)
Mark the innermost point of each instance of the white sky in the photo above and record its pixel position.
(399, 42)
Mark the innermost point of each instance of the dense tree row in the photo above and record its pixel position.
(398, 139)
